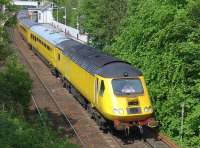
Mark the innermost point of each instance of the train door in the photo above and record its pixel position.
(99, 91)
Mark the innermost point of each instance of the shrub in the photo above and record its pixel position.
(15, 83)
(14, 132)
(162, 38)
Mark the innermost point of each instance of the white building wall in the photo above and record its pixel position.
(45, 16)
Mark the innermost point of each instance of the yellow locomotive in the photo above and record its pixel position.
(112, 91)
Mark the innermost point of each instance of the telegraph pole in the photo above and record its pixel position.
(182, 120)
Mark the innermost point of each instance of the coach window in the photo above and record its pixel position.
(102, 88)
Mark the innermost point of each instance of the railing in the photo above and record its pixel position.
(72, 32)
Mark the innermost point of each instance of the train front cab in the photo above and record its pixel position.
(124, 101)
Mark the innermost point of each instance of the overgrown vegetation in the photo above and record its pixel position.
(4, 43)
(102, 19)
(15, 95)
(162, 39)
(15, 132)
(15, 84)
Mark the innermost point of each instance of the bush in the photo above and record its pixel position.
(5, 49)
(14, 132)
(162, 38)
(15, 83)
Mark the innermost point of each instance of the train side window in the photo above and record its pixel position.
(102, 88)
(59, 57)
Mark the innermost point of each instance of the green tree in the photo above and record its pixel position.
(101, 19)
(15, 84)
(20, 134)
(162, 38)
(71, 11)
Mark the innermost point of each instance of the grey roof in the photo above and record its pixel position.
(49, 33)
(96, 62)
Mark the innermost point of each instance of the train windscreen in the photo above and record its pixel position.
(128, 86)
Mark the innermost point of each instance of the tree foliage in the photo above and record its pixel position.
(71, 11)
(15, 84)
(16, 133)
(101, 19)
(162, 38)
(5, 50)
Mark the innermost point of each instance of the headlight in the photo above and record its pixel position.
(148, 109)
(118, 111)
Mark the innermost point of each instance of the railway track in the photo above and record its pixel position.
(43, 88)
(49, 102)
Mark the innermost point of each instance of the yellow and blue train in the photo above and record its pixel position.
(111, 90)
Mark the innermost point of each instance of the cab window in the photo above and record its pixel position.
(102, 88)
(127, 86)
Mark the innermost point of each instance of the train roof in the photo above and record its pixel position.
(96, 62)
(49, 33)
(90, 59)
(27, 22)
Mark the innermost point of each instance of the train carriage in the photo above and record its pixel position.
(112, 90)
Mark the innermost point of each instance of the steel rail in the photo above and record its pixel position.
(37, 108)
